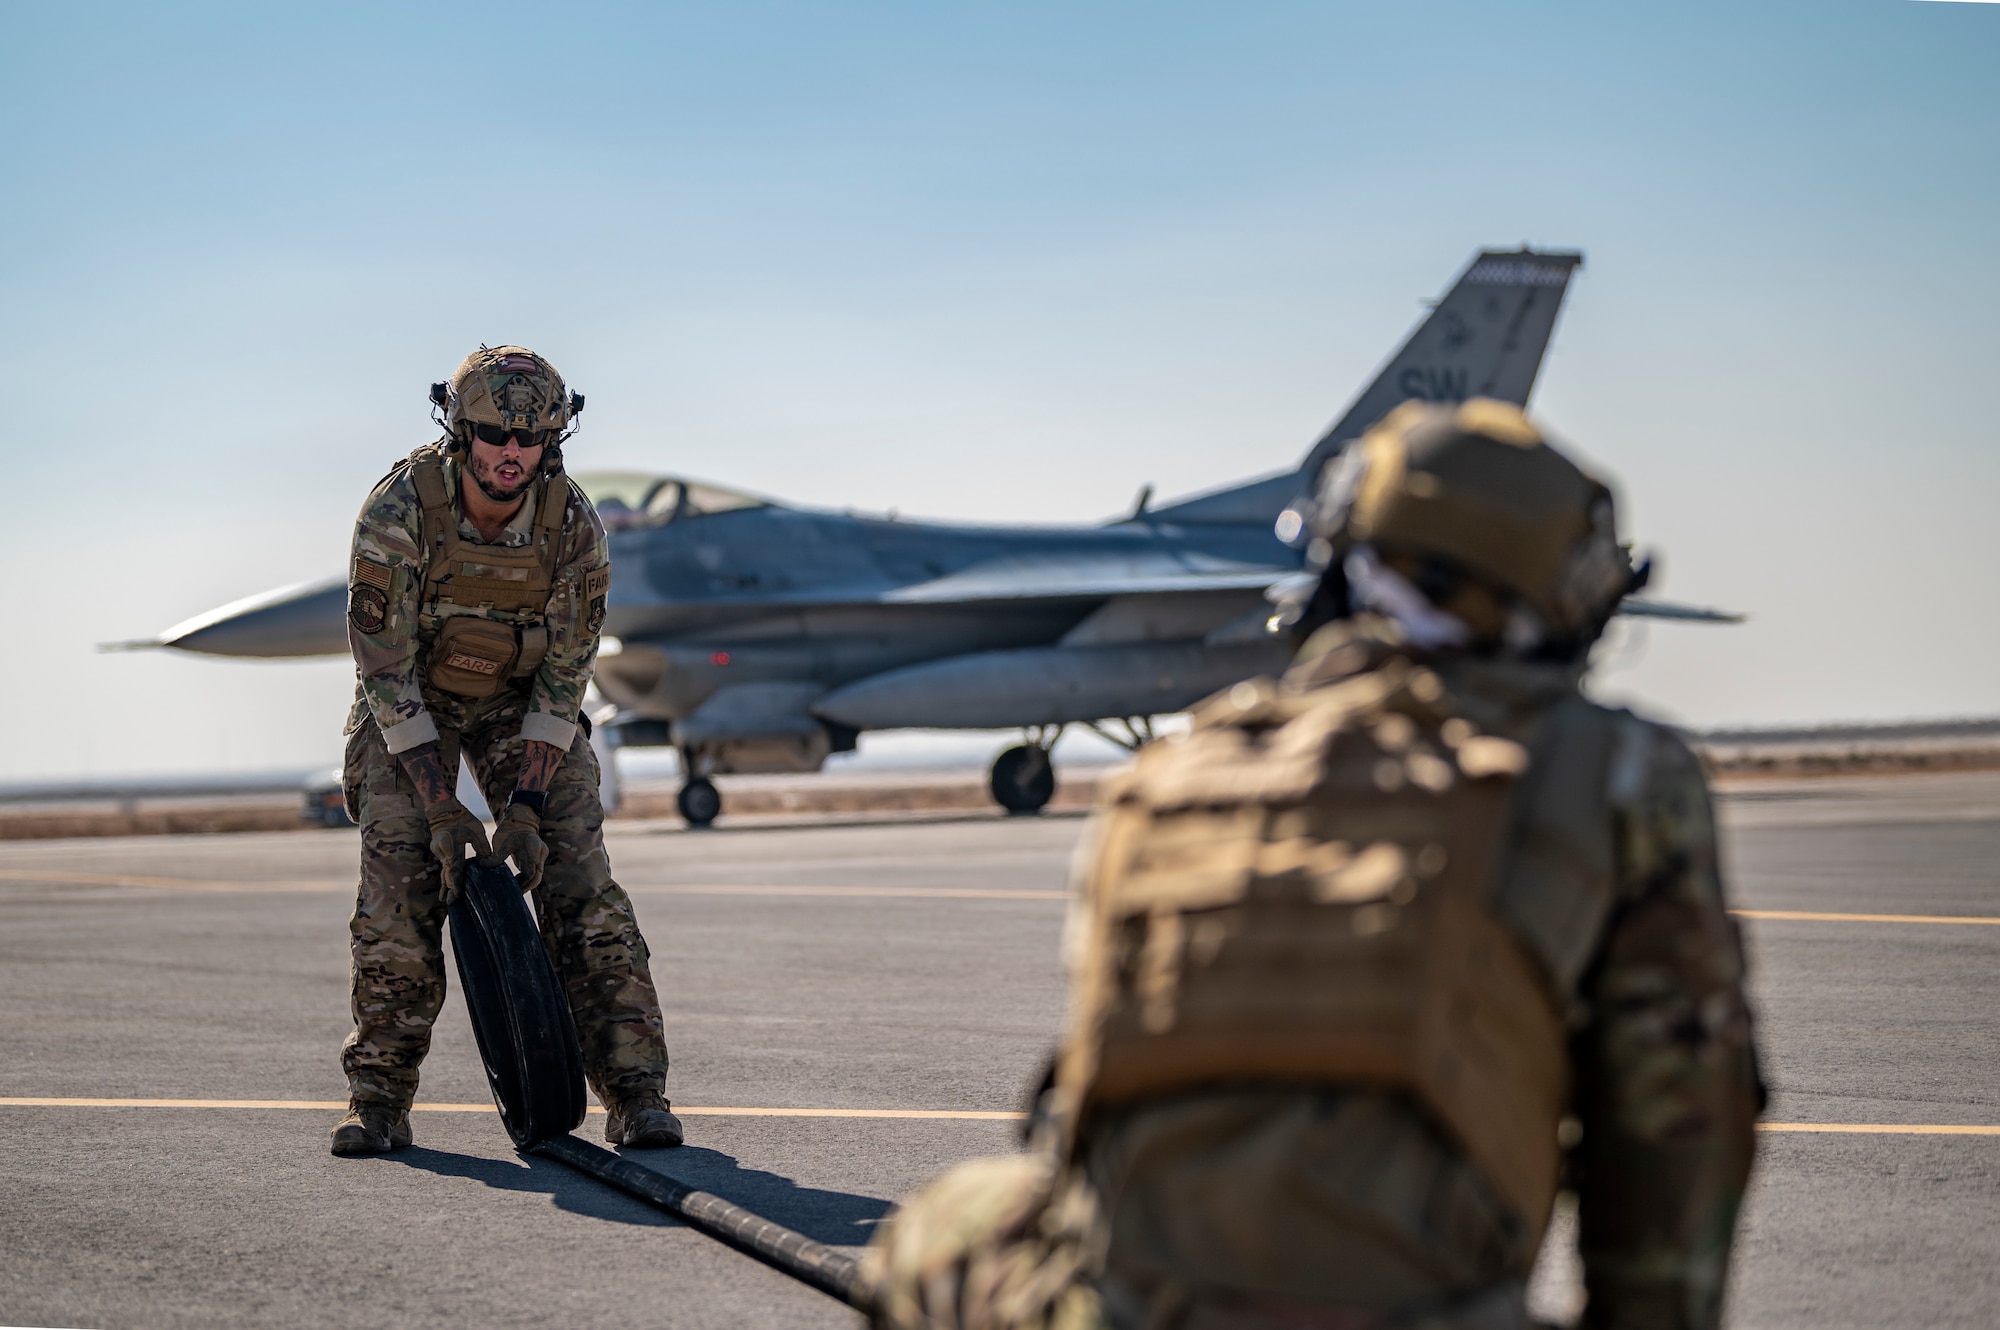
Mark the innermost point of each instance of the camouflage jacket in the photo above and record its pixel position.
(390, 641)
(1337, 1193)
(1665, 1088)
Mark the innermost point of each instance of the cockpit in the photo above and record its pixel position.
(639, 498)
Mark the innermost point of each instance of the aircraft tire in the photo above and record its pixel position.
(520, 1013)
(1023, 780)
(699, 801)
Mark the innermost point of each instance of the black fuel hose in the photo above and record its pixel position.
(832, 1272)
(527, 1040)
(520, 1014)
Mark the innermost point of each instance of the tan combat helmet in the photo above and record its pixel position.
(500, 390)
(1473, 496)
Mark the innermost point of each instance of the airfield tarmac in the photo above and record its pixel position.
(854, 1004)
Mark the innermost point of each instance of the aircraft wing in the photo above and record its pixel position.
(1086, 579)
(310, 619)
(1635, 608)
(1076, 579)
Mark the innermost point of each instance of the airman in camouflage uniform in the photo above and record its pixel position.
(475, 600)
(1378, 956)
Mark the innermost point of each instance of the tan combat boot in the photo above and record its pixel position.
(642, 1122)
(371, 1129)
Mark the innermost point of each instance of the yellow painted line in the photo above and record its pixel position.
(924, 893)
(45, 1102)
(930, 1114)
(65, 878)
(919, 1114)
(933, 1114)
(1824, 917)
(60, 877)
(1881, 1128)
(70, 878)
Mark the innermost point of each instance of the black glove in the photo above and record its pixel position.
(453, 828)
(519, 837)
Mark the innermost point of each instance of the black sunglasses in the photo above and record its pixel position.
(497, 435)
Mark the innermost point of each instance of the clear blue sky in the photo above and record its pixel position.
(999, 261)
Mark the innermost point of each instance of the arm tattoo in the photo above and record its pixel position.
(538, 765)
(426, 771)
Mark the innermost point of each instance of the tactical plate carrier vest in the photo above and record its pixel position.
(1306, 890)
(473, 655)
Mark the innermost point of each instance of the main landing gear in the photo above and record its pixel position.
(1023, 779)
(699, 801)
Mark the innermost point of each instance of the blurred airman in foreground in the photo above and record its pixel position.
(1379, 957)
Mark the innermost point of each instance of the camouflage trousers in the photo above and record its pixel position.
(586, 918)
(1244, 1210)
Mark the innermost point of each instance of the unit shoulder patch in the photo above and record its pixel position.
(367, 608)
(596, 582)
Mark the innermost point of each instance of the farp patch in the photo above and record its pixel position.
(596, 586)
(367, 608)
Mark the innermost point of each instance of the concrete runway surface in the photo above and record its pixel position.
(874, 973)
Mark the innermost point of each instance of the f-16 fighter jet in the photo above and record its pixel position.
(755, 636)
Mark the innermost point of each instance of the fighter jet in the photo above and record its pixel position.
(756, 636)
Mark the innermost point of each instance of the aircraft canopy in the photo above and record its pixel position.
(640, 498)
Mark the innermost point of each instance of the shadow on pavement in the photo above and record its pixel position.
(837, 1218)
(570, 1190)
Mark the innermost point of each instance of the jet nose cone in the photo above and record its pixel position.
(308, 619)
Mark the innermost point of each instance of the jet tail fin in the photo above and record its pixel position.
(1485, 338)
